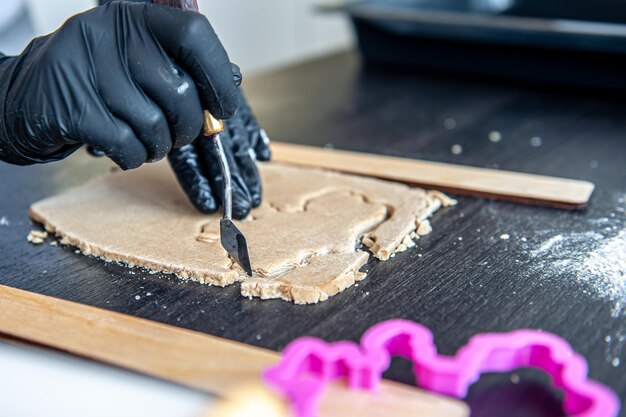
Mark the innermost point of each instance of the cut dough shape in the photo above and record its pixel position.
(304, 239)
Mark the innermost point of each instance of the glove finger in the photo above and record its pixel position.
(237, 138)
(94, 152)
(185, 162)
(242, 203)
(262, 148)
(112, 136)
(171, 88)
(250, 175)
(126, 102)
(237, 77)
(257, 137)
(189, 39)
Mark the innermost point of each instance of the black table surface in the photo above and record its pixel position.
(487, 266)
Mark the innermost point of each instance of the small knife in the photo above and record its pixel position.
(233, 241)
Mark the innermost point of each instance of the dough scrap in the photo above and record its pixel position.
(304, 239)
(37, 237)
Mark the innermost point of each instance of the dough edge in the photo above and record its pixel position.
(412, 228)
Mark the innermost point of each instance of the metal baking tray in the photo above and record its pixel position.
(575, 42)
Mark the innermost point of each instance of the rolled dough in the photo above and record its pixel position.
(304, 240)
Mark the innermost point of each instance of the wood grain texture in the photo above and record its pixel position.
(200, 361)
(472, 181)
(456, 287)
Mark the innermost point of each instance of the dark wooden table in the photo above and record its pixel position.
(560, 271)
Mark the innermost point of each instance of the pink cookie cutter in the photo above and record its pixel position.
(309, 364)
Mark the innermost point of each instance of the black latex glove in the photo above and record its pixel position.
(129, 79)
(198, 171)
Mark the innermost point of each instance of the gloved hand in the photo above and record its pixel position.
(198, 170)
(130, 80)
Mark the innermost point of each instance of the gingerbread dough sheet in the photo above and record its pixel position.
(306, 240)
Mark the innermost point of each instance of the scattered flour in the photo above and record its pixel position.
(495, 136)
(601, 271)
(549, 243)
(605, 269)
(449, 123)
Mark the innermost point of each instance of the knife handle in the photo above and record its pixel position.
(211, 125)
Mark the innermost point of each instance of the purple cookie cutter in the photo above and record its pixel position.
(309, 364)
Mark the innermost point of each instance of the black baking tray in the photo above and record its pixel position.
(575, 42)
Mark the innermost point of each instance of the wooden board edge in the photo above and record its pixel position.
(303, 155)
(100, 334)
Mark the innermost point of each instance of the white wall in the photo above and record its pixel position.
(262, 34)
(48, 15)
(37, 382)
(258, 34)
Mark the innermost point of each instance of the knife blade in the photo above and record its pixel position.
(231, 238)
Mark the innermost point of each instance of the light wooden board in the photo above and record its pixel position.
(193, 359)
(458, 179)
(197, 360)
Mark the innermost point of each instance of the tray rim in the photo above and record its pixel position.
(359, 9)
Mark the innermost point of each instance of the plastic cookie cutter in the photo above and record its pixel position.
(309, 364)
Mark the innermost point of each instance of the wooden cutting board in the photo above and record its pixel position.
(457, 179)
(211, 364)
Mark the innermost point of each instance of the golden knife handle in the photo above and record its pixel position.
(211, 126)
